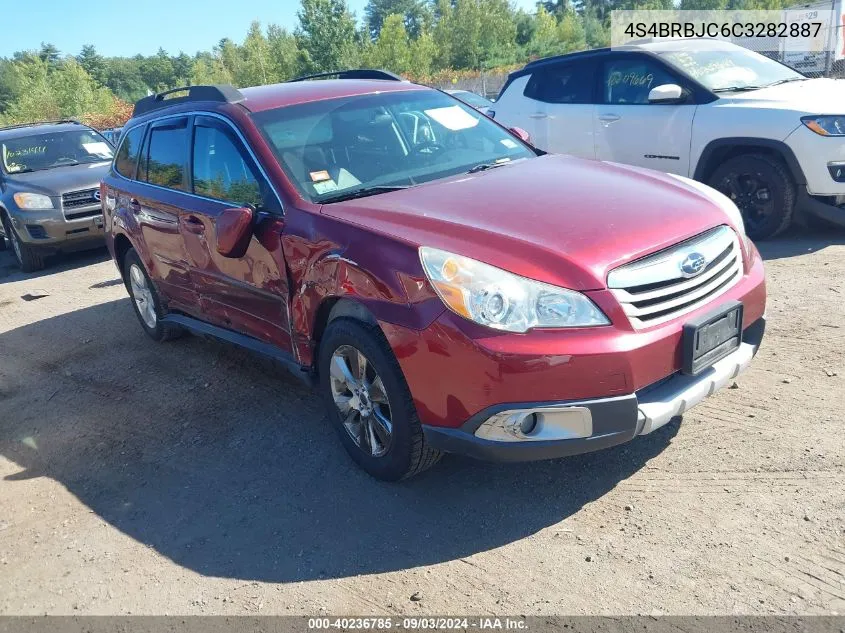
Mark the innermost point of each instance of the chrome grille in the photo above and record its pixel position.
(656, 288)
(81, 204)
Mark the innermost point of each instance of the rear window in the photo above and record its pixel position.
(561, 84)
(167, 155)
(126, 159)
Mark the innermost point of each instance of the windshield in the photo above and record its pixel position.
(381, 140)
(719, 69)
(53, 149)
(476, 101)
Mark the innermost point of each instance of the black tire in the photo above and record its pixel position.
(30, 258)
(160, 331)
(407, 453)
(762, 188)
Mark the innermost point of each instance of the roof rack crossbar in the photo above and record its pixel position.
(355, 73)
(223, 93)
(34, 123)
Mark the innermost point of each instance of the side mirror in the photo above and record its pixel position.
(667, 93)
(234, 231)
(521, 134)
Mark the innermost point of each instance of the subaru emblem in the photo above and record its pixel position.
(693, 264)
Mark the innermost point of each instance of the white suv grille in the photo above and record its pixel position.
(662, 286)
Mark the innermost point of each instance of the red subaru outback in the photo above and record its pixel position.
(447, 286)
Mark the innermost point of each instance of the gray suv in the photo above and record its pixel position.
(50, 189)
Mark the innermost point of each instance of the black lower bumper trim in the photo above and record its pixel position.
(458, 441)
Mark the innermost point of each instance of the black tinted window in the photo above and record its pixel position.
(220, 169)
(630, 80)
(167, 155)
(128, 152)
(562, 84)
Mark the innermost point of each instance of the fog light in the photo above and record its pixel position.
(837, 171)
(542, 423)
(528, 424)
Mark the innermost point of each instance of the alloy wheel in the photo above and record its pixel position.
(752, 197)
(142, 295)
(361, 400)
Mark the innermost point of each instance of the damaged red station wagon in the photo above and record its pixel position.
(445, 285)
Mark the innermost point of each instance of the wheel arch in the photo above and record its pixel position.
(337, 307)
(122, 245)
(719, 150)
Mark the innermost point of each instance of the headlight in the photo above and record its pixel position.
(504, 301)
(33, 201)
(828, 125)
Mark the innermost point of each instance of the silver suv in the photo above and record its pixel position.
(50, 189)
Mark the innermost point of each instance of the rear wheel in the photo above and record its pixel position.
(30, 258)
(369, 402)
(145, 300)
(762, 189)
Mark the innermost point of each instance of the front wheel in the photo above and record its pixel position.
(762, 189)
(369, 402)
(30, 258)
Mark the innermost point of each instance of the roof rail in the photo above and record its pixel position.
(35, 123)
(223, 93)
(355, 73)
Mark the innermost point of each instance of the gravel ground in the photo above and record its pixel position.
(191, 477)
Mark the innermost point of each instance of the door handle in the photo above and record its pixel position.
(609, 118)
(193, 224)
(538, 115)
(135, 205)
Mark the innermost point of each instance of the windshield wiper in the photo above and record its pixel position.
(746, 88)
(738, 88)
(363, 192)
(486, 166)
(786, 81)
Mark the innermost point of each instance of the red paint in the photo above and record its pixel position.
(234, 230)
(557, 219)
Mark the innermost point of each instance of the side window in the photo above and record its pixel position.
(630, 80)
(221, 170)
(572, 83)
(167, 155)
(126, 159)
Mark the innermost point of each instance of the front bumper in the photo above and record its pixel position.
(612, 420)
(52, 231)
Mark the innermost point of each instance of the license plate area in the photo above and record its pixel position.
(711, 337)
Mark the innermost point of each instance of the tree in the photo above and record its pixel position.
(93, 63)
(326, 35)
(545, 40)
(525, 27)
(415, 15)
(392, 49)
(423, 53)
(157, 71)
(182, 69)
(49, 53)
(284, 52)
(257, 68)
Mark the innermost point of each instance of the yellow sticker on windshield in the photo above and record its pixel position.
(320, 176)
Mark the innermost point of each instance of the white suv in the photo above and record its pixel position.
(761, 133)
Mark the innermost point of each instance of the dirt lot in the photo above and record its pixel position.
(191, 477)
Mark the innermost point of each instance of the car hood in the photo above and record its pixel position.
(814, 96)
(558, 219)
(59, 180)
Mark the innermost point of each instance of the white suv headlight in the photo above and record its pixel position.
(504, 301)
(32, 201)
